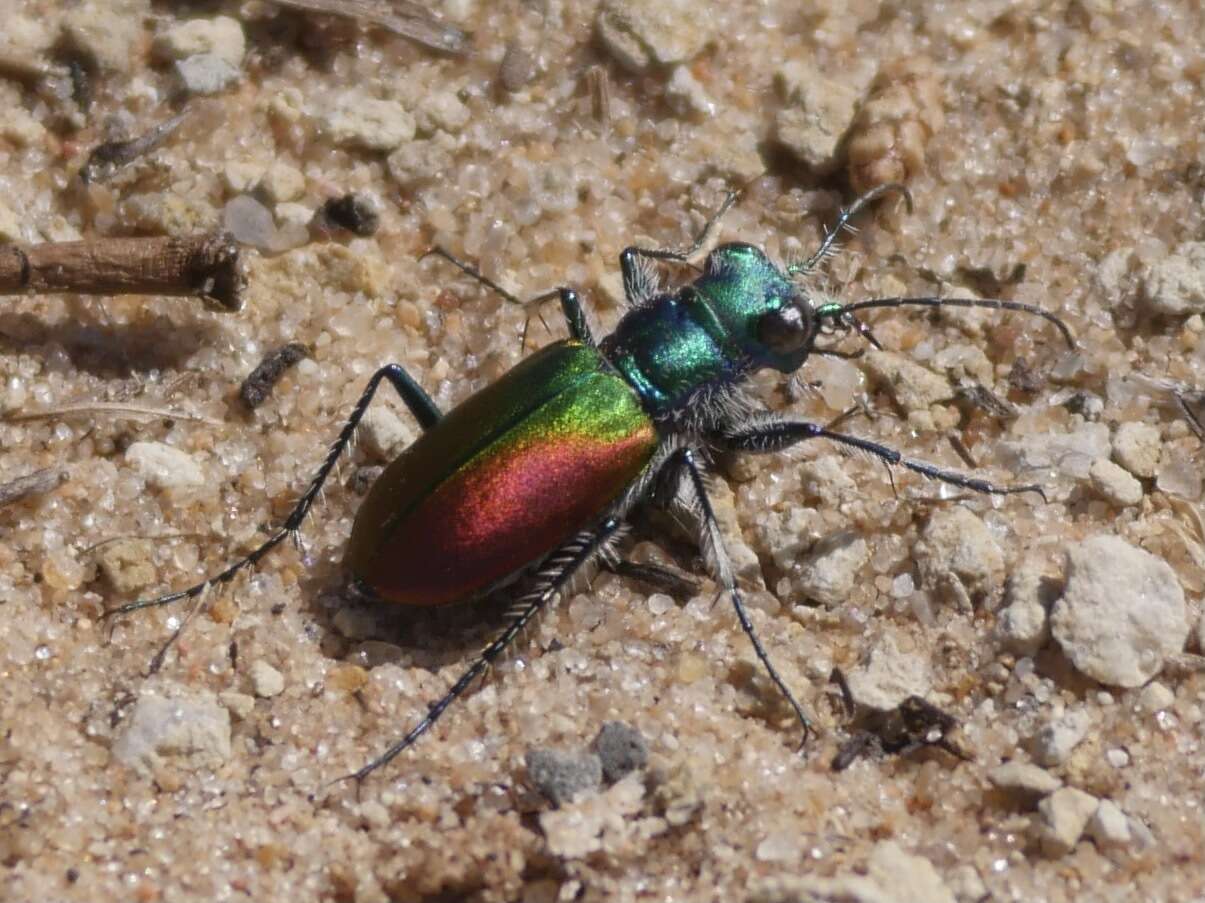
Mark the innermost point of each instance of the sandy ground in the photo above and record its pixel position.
(1054, 153)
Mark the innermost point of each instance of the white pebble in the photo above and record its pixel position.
(888, 676)
(221, 36)
(1064, 816)
(1155, 697)
(164, 466)
(1114, 483)
(1121, 614)
(360, 121)
(266, 681)
(180, 722)
(1109, 826)
(1136, 447)
(1052, 744)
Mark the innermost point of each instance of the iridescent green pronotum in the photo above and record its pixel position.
(530, 478)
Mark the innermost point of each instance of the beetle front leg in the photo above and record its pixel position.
(638, 284)
(684, 461)
(571, 305)
(421, 406)
(556, 571)
(774, 434)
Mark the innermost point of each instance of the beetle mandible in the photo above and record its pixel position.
(534, 474)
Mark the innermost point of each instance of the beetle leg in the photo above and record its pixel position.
(713, 544)
(637, 284)
(774, 434)
(571, 305)
(421, 406)
(550, 579)
(830, 237)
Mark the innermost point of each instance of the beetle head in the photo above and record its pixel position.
(758, 307)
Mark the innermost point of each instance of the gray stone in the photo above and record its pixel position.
(888, 676)
(1175, 286)
(1064, 816)
(176, 722)
(621, 749)
(1121, 614)
(564, 776)
(1137, 447)
(250, 222)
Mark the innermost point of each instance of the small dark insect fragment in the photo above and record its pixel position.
(106, 159)
(351, 212)
(899, 731)
(258, 385)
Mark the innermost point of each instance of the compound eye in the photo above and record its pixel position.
(785, 330)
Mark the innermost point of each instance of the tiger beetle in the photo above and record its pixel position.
(534, 475)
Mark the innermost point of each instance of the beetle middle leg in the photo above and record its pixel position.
(571, 304)
(684, 461)
(551, 577)
(775, 434)
(425, 411)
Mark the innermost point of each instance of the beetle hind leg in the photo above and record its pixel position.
(684, 461)
(425, 412)
(551, 578)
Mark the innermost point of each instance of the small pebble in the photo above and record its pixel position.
(240, 705)
(1097, 623)
(164, 466)
(266, 681)
(517, 69)
(366, 122)
(1023, 626)
(1053, 743)
(1064, 816)
(105, 33)
(1114, 483)
(830, 570)
(1155, 697)
(1175, 286)
(385, 434)
(127, 564)
(1028, 782)
(817, 112)
(183, 723)
(221, 36)
(1109, 826)
(250, 222)
(564, 776)
(1071, 454)
(206, 73)
(888, 676)
(642, 34)
(958, 553)
(621, 749)
(1137, 447)
(904, 877)
(913, 387)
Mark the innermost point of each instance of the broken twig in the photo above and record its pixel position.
(37, 483)
(204, 266)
